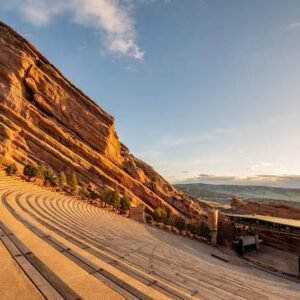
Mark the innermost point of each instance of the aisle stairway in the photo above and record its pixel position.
(76, 250)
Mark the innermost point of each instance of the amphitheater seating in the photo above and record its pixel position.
(76, 250)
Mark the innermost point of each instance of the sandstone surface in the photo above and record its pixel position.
(44, 118)
(270, 209)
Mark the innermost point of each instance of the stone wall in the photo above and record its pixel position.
(137, 213)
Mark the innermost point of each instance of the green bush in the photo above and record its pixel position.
(62, 180)
(84, 192)
(199, 228)
(160, 215)
(111, 197)
(94, 195)
(11, 169)
(74, 183)
(115, 199)
(30, 171)
(191, 227)
(41, 171)
(50, 177)
(149, 219)
(124, 203)
(105, 197)
(180, 223)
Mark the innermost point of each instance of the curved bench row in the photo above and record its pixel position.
(176, 267)
(183, 277)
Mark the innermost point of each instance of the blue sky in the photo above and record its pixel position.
(203, 90)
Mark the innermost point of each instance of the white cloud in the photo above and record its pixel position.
(294, 25)
(114, 18)
(262, 167)
(285, 180)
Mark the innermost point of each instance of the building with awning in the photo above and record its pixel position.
(268, 223)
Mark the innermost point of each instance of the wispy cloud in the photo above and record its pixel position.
(114, 18)
(288, 181)
(294, 25)
(261, 167)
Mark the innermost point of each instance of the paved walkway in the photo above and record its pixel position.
(101, 255)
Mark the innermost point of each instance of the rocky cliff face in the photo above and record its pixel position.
(44, 118)
(274, 210)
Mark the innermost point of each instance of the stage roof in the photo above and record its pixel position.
(281, 221)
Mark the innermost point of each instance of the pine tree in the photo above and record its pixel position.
(62, 180)
(74, 183)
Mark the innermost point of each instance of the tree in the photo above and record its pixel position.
(50, 177)
(199, 228)
(111, 197)
(149, 219)
(172, 219)
(11, 169)
(41, 171)
(84, 192)
(124, 203)
(191, 227)
(115, 199)
(62, 180)
(106, 195)
(94, 195)
(202, 229)
(30, 171)
(180, 223)
(74, 183)
(160, 215)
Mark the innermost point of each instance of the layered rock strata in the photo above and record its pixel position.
(44, 118)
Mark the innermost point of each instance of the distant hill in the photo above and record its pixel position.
(222, 194)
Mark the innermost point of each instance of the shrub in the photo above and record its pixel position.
(50, 177)
(199, 228)
(94, 195)
(41, 172)
(74, 183)
(11, 169)
(62, 180)
(203, 230)
(180, 223)
(105, 197)
(124, 203)
(160, 215)
(115, 199)
(30, 171)
(111, 197)
(84, 192)
(172, 219)
(191, 227)
(149, 219)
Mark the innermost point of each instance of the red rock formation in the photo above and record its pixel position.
(275, 210)
(45, 118)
